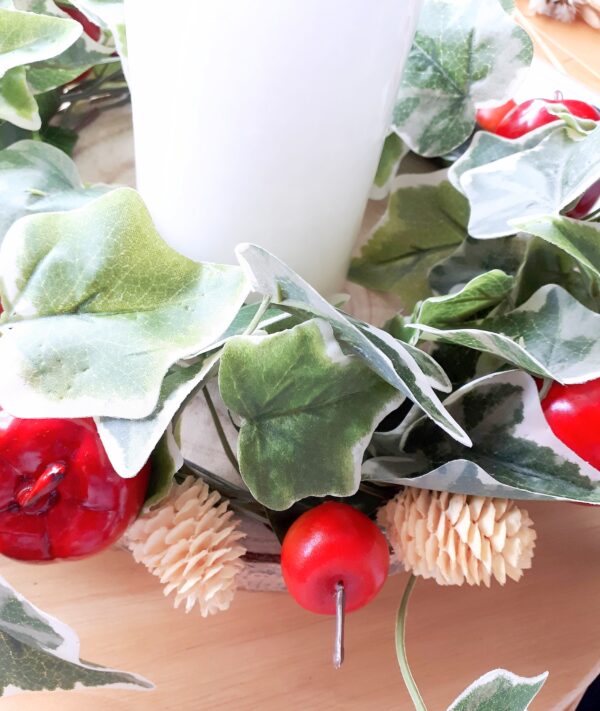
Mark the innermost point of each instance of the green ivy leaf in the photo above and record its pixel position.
(129, 443)
(498, 690)
(580, 240)
(36, 177)
(551, 335)
(167, 460)
(98, 308)
(394, 150)
(270, 276)
(475, 257)
(308, 411)
(26, 38)
(464, 52)
(480, 294)
(545, 176)
(515, 454)
(37, 652)
(425, 220)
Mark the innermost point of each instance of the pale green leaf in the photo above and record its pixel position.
(28, 37)
(424, 222)
(270, 276)
(36, 177)
(515, 454)
(539, 180)
(580, 240)
(500, 690)
(551, 335)
(129, 443)
(474, 258)
(98, 308)
(17, 104)
(37, 652)
(480, 294)
(167, 460)
(308, 411)
(464, 52)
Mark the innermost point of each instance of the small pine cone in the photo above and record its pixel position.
(190, 543)
(456, 538)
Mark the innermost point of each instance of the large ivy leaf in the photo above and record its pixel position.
(475, 257)
(98, 308)
(480, 294)
(580, 240)
(272, 277)
(499, 690)
(464, 52)
(36, 177)
(425, 220)
(26, 38)
(515, 454)
(37, 652)
(551, 335)
(547, 175)
(308, 411)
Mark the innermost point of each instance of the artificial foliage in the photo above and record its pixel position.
(497, 272)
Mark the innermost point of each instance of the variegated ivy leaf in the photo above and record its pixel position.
(26, 38)
(68, 65)
(308, 411)
(394, 150)
(551, 335)
(129, 443)
(542, 178)
(464, 52)
(580, 240)
(515, 454)
(109, 14)
(480, 294)
(270, 276)
(167, 460)
(425, 221)
(500, 689)
(40, 653)
(36, 177)
(98, 308)
(474, 258)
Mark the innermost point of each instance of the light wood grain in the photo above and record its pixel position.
(267, 653)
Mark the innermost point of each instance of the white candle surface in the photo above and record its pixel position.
(262, 121)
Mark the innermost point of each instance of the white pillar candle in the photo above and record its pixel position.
(262, 121)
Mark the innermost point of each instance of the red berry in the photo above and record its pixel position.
(533, 113)
(573, 413)
(489, 118)
(588, 203)
(59, 494)
(329, 544)
(90, 28)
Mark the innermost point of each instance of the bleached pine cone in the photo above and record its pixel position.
(191, 543)
(456, 538)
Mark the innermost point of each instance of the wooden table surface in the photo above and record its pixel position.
(266, 653)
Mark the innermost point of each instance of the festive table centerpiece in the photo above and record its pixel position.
(415, 442)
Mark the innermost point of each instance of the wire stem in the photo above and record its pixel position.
(409, 681)
(220, 431)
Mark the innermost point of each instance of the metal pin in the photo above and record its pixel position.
(340, 601)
